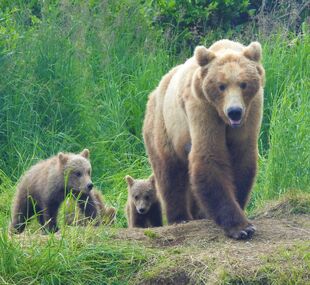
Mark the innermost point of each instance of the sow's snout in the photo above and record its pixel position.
(234, 115)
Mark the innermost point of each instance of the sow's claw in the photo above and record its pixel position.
(243, 234)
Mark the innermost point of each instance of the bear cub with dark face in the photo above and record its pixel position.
(45, 186)
(143, 206)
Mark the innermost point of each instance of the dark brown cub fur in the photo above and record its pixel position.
(143, 206)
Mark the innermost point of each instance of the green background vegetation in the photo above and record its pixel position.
(76, 74)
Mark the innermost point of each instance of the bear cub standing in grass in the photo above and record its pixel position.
(106, 215)
(143, 206)
(45, 186)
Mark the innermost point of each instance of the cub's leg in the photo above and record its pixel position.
(40, 216)
(50, 217)
(23, 210)
(89, 208)
(155, 215)
(137, 220)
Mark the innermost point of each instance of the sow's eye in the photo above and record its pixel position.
(222, 87)
(243, 85)
(78, 174)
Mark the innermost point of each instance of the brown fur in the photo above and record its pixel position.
(142, 196)
(106, 215)
(190, 108)
(45, 186)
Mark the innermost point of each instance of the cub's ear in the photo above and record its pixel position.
(85, 153)
(253, 51)
(130, 180)
(63, 158)
(203, 55)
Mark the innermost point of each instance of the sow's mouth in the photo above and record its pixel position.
(235, 123)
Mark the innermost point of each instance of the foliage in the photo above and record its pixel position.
(192, 19)
(285, 137)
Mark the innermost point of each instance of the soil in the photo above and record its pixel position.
(198, 252)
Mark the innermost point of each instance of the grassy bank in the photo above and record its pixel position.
(78, 76)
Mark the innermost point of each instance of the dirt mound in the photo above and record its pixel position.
(205, 233)
(198, 252)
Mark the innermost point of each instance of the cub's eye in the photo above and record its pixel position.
(147, 198)
(88, 172)
(222, 87)
(136, 197)
(78, 174)
(243, 85)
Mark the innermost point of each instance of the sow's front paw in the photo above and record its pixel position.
(241, 233)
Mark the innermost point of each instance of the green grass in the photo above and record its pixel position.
(285, 137)
(78, 257)
(289, 265)
(79, 76)
(81, 79)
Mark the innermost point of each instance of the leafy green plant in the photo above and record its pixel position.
(192, 19)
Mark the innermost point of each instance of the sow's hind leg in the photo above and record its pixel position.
(172, 182)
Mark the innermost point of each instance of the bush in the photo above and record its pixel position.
(192, 19)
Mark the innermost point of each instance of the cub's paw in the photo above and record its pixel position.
(241, 233)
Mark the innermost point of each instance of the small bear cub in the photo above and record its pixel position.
(143, 206)
(45, 186)
(74, 216)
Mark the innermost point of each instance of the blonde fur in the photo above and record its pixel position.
(194, 147)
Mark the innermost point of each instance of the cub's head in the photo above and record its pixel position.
(77, 171)
(142, 192)
(230, 80)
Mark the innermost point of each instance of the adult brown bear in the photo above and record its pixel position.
(201, 129)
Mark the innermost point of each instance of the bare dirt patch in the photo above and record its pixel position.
(198, 252)
(205, 234)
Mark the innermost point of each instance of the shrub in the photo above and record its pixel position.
(192, 19)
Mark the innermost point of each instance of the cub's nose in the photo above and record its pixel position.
(234, 113)
(141, 210)
(90, 186)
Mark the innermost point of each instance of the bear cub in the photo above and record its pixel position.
(143, 206)
(106, 215)
(45, 186)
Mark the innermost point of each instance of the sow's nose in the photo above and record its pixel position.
(90, 186)
(234, 113)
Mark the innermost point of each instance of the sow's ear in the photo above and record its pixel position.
(63, 158)
(253, 51)
(203, 55)
(130, 180)
(85, 153)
